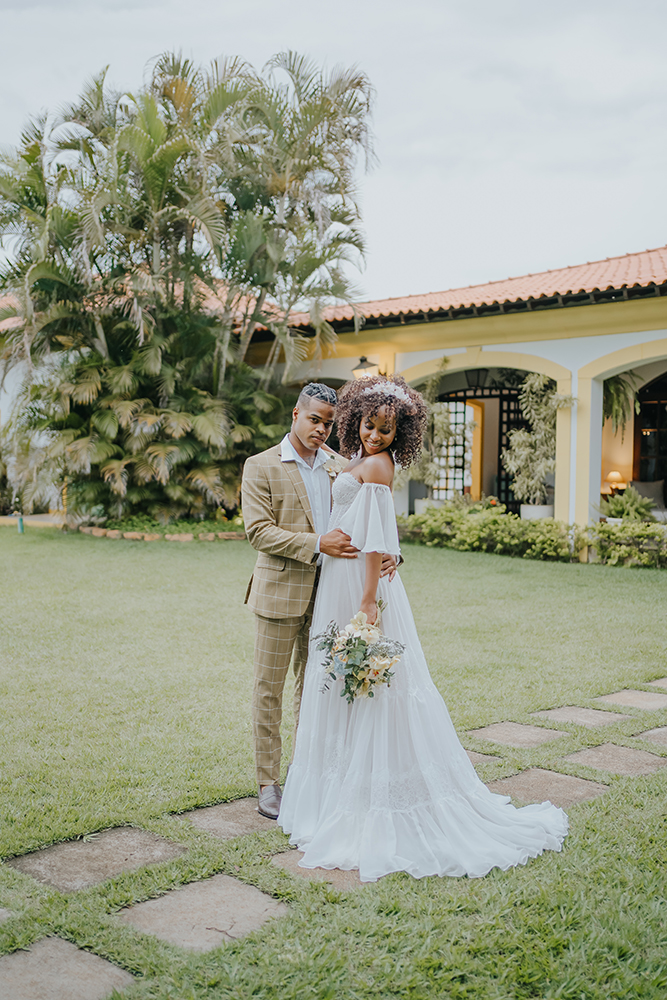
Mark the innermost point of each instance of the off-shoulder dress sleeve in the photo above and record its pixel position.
(370, 521)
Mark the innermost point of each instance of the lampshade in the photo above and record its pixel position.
(614, 477)
(365, 368)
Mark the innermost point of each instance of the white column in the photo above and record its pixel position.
(589, 450)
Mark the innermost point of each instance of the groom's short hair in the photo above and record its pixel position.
(316, 390)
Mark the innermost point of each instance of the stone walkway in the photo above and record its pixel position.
(205, 914)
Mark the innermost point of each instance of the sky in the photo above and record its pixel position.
(511, 137)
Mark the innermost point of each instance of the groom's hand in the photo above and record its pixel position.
(337, 543)
(389, 565)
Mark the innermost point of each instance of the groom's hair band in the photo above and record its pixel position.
(316, 390)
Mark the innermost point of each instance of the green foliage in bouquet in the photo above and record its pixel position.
(630, 505)
(359, 655)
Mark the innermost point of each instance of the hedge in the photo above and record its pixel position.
(487, 527)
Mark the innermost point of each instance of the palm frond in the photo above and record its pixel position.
(211, 427)
(115, 473)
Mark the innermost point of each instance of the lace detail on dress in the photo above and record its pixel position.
(344, 492)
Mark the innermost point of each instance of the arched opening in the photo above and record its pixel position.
(483, 409)
(650, 437)
(490, 399)
(637, 452)
(601, 451)
(506, 370)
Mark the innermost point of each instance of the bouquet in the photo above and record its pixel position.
(359, 655)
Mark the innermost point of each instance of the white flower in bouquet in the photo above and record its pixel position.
(359, 655)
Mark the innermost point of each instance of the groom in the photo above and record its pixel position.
(286, 500)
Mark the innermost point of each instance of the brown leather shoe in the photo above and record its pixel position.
(269, 801)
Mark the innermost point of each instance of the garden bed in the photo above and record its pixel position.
(146, 529)
(486, 526)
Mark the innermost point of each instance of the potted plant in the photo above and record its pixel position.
(627, 506)
(531, 454)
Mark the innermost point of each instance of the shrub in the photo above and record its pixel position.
(146, 523)
(632, 543)
(486, 527)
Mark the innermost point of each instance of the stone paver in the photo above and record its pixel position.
(5, 914)
(619, 760)
(79, 863)
(648, 700)
(53, 969)
(539, 785)
(482, 758)
(203, 915)
(515, 734)
(289, 862)
(658, 735)
(660, 683)
(589, 717)
(231, 819)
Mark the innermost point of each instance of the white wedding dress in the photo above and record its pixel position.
(384, 785)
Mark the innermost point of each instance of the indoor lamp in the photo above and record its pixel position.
(615, 480)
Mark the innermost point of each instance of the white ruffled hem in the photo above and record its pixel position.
(456, 836)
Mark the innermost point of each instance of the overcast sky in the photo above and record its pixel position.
(512, 137)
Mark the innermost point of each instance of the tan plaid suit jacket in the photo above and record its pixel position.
(279, 523)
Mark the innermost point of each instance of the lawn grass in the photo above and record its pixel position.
(125, 677)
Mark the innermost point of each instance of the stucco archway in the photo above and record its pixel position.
(477, 358)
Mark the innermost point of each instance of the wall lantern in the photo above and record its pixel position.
(476, 377)
(365, 368)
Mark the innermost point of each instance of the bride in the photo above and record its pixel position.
(383, 784)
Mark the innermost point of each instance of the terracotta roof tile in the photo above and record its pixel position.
(613, 272)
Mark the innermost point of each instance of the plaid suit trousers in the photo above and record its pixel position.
(276, 639)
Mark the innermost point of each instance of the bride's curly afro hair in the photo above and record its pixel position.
(364, 397)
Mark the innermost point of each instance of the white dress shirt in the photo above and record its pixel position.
(317, 482)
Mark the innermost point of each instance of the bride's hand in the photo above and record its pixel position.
(370, 609)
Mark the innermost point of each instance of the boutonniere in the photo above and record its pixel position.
(334, 465)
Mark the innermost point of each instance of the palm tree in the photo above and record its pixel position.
(149, 236)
